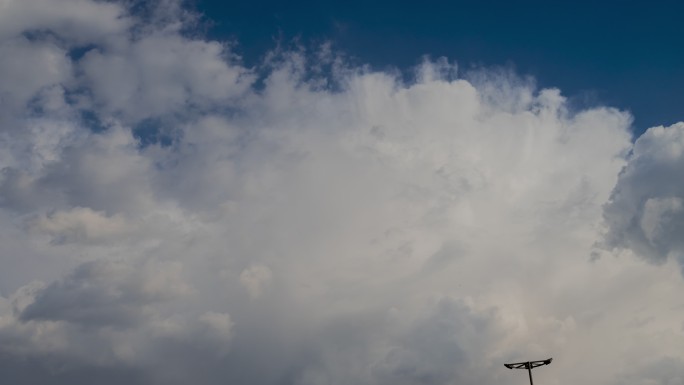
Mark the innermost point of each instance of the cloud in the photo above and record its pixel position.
(170, 216)
(105, 293)
(163, 73)
(79, 225)
(666, 370)
(645, 210)
(450, 345)
(77, 21)
(255, 279)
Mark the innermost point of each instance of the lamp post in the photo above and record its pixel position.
(529, 365)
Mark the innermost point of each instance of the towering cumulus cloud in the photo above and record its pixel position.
(646, 212)
(169, 216)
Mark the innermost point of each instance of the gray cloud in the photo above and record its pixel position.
(665, 370)
(645, 212)
(450, 345)
(102, 293)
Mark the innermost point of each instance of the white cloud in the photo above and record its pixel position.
(381, 232)
(255, 279)
(163, 73)
(79, 21)
(80, 225)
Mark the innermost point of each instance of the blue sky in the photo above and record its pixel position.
(625, 54)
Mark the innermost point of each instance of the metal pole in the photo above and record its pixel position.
(529, 370)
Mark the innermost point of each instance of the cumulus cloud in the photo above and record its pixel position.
(645, 211)
(79, 225)
(449, 345)
(162, 74)
(76, 21)
(105, 293)
(255, 279)
(167, 219)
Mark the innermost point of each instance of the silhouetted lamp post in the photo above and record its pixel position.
(529, 365)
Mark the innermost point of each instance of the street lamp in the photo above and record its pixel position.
(529, 365)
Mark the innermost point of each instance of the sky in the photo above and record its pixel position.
(620, 53)
(317, 195)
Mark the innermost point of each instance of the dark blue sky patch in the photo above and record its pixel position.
(77, 53)
(90, 120)
(152, 131)
(34, 35)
